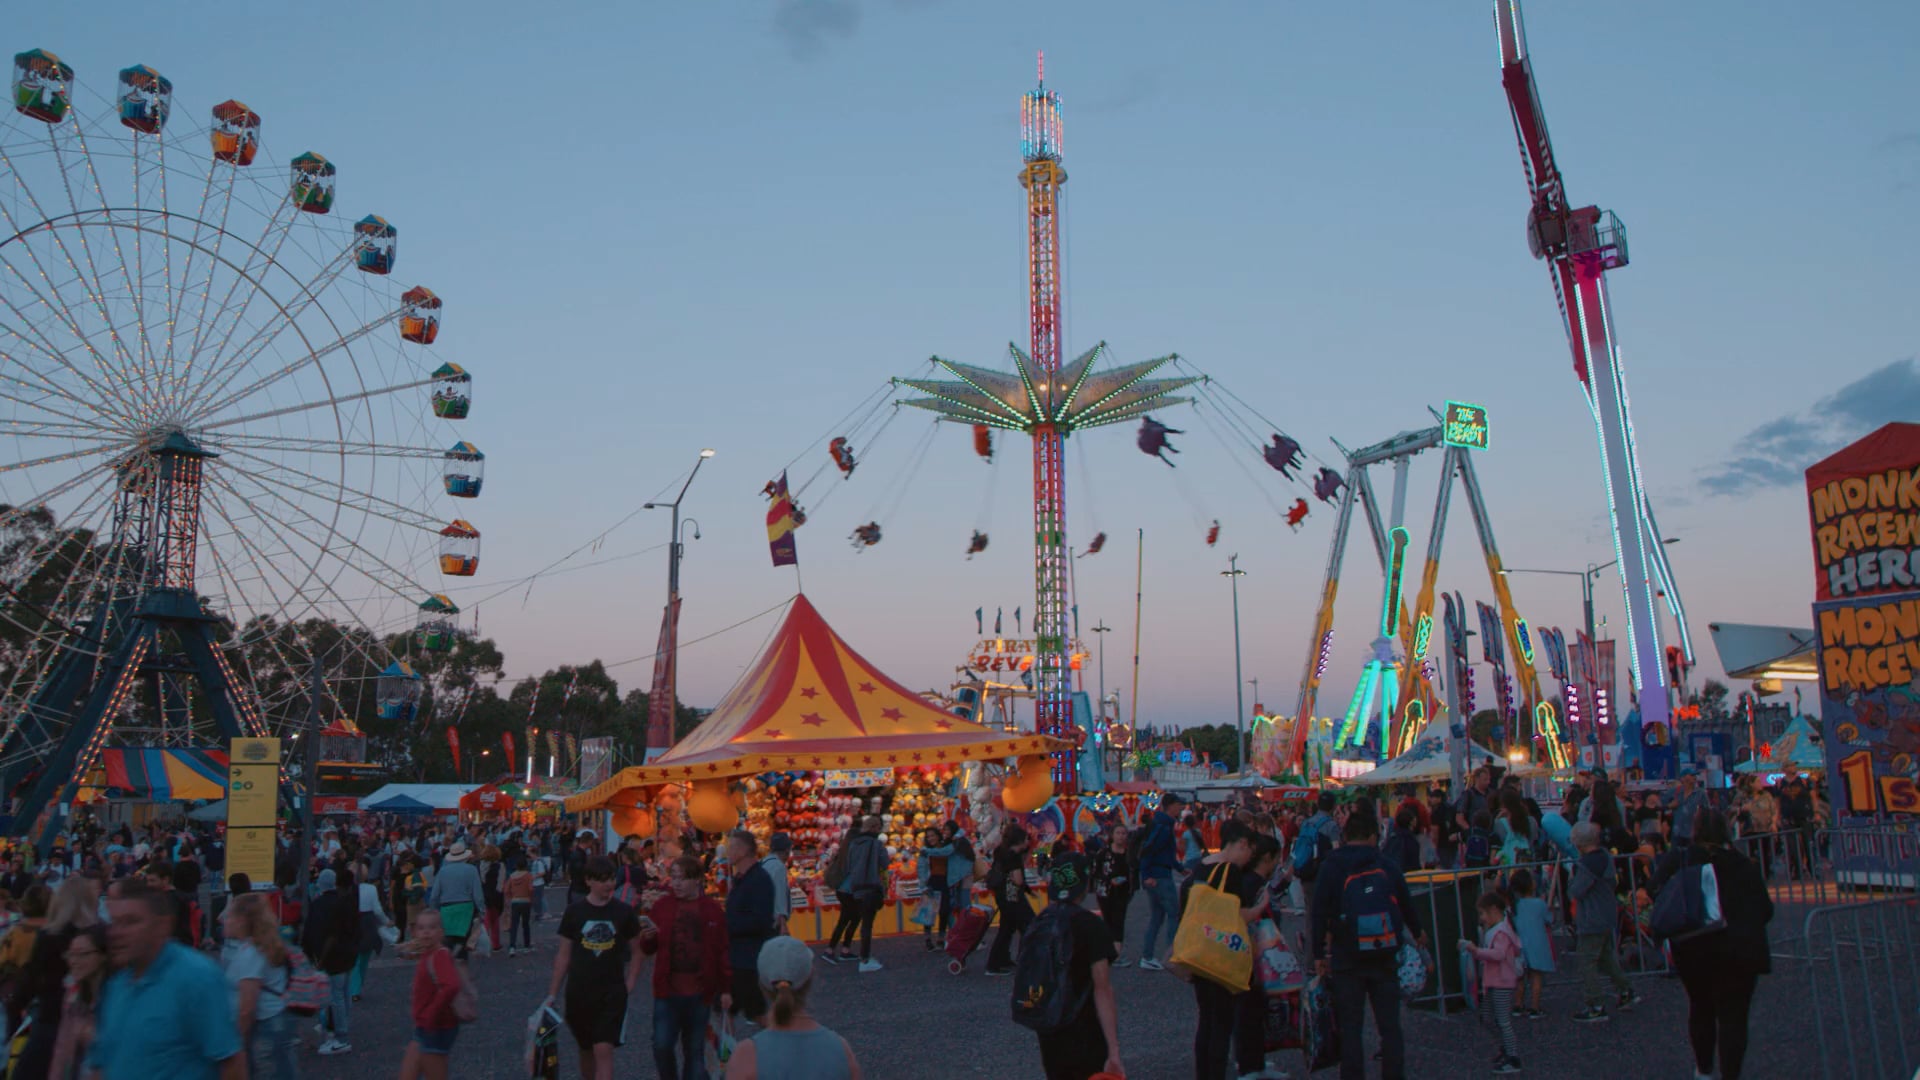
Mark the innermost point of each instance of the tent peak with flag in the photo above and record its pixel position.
(810, 702)
(1799, 746)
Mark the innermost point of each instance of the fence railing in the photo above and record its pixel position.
(1806, 869)
(1862, 989)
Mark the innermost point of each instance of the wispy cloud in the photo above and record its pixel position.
(1134, 88)
(1779, 451)
(807, 27)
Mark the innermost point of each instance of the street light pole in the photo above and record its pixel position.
(660, 716)
(1234, 574)
(1101, 628)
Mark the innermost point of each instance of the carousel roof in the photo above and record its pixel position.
(810, 702)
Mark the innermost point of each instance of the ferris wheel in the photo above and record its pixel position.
(221, 418)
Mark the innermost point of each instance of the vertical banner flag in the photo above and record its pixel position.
(660, 696)
(573, 750)
(553, 747)
(253, 788)
(506, 742)
(780, 525)
(453, 744)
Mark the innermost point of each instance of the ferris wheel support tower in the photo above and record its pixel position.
(1579, 247)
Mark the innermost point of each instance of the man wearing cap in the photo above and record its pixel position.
(1158, 865)
(1089, 1043)
(458, 896)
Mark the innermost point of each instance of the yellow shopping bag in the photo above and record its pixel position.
(1213, 942)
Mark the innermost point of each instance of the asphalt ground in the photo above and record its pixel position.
(914, 1020)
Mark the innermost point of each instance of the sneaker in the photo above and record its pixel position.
(997, 972)
(869, 965)
(1123, 962)
(1148, 963)
(930, 945)
(1629, 999)
(1592, 1014)
(1507, 1065)
(334, 1046)
(829, 957)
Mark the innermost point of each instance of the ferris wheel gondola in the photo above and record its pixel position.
(221, 420)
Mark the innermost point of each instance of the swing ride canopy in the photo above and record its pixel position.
(810, 702)
(1427, 760)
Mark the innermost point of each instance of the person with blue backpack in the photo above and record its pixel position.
(1361, 914)
(1311, 847)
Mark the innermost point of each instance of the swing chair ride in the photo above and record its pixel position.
(224, 422)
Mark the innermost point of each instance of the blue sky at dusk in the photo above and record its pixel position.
(664, 226)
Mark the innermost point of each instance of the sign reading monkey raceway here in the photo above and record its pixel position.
(1864, 504)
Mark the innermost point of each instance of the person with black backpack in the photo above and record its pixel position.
(1361, 914)
(1312, 845)
(1061, 985)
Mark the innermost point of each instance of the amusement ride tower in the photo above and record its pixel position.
(1579, 246)
(1049, 400)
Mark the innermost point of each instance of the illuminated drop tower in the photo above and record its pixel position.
(1049, 400)
(1043, 177)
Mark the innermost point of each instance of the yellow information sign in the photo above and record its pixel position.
(253, 797)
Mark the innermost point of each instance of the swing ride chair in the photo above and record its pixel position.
(177, 511)
(1579, 246)
(1399, 670)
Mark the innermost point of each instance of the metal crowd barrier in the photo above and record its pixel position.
(1862, 987)
(1448, 901)
(1807, 868)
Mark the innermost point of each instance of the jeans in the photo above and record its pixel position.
(275, 1042)
(493, 928)
(1352, 990)
(945, 921)
(1718, 1002)
(520, 924)
(339, 1007)
(1598, 957)
(1214, 1034)
(357, 978)
(1014, 917)
(1163, 900)
(539, 901)
(680, 1023)
(847, 923)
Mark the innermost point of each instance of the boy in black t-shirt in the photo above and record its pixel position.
(1090, 1043)
(599, 967)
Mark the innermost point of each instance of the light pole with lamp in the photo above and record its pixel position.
(1587, 578)
(1101, 628)
(1234, 574)
(660, 712)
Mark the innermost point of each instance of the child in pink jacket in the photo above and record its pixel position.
(1498, 960)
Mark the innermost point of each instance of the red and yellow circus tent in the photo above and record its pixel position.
(166, 774)
(811, 702)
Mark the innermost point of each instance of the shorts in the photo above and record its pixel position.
(435, 1041)
(598, 1019)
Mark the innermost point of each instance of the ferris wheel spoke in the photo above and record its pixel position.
(256, 506)
(265, 568)
(43, 498)
(71, 455)
(98, 292)
(227, 364)
(36, 403)
(322, 403)
(59, 310)
(214, 262)
(266, 258)
(313, 356)
(17, 363)
(363, 501)
(330, 447)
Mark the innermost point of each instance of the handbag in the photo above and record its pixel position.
(1274, 968)
(924, 914)
(1412, 965)
(720, 1042)
(1212, 941)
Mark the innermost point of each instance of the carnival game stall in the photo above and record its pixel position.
(817, 733)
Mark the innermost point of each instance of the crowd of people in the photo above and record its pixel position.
(115, 943)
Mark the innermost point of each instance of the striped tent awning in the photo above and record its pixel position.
(165, 774)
